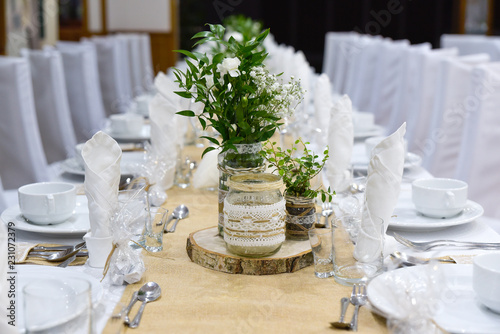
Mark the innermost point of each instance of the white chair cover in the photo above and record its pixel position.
(335, 48)
(134, 51)
(3, 202)
(420, 110)
(388, 79)
(348, 45)
(471, 44)
(84, 92)
(448, 117)
(51, 103)
(408, 89)
(479, 158)
(116, 93)
(146, 62)
(362, 81)
(22, 157)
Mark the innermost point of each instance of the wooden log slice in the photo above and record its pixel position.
(207, 249)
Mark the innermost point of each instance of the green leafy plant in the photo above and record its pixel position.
(297, 171)
(242, 28)
(242, 101)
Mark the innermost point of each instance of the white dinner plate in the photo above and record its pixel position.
(459, 311)
(78, 223)
(143, 136)
(375, 130)
(129, 165)
(405, 216)
(28, 273)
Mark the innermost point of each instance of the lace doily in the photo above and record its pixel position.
(254, 225)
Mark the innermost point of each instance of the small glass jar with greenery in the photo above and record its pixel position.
(297, 172)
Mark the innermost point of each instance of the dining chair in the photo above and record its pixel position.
(448, 117)
(338, 46)
(388, 76)
(472, 44)
(479, 158)
(146, 62)
(407, 90)
(362, 78)
(82, 83)
(420, 110)
(51, 103)
(116, 92)
(22, 156)
(133, 44)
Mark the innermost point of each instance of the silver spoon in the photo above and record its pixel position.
(344, 302)
(180, 212)
(149, 292)
(61, 255)
(409, 260)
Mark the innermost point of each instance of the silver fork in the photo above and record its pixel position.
(425, 246)
(326, 211)
(358, 299)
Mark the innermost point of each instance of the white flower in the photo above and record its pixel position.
(229, 65)
(210, 80)
(236, 35)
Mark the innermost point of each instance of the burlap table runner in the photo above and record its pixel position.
(199, 300)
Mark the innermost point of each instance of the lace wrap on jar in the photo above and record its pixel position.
(254, 215)
(246, 159)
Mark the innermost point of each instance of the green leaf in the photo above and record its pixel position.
(202, 34)
(208, 149)
(186, 95)
(203, 123)
(187, 113)
(210, 139)
(186, 53)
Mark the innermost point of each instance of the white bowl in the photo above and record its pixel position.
(47, 202)
(439, 197)
(486, 279)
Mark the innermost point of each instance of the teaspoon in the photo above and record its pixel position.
(149, 292)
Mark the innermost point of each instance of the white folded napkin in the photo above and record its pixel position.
(207, 173)
(340, 143)
(102, 156)
(166, 87)
(383, 184)
(323, 102)
(164, 130)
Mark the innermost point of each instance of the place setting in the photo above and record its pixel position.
(433, 204)
(128, 127)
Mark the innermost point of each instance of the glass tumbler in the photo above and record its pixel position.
(153, 235)
(357, 248)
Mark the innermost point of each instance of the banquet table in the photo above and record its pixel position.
(196, 299)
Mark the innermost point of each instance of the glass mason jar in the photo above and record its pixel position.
(254, 215)
(300, 217)
(246, 159)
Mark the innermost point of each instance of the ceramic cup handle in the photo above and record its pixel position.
(450, 199)
(51, 204)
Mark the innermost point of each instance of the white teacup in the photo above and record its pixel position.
(363, 121)
(439, 197)
(47, 202)
(126, 124)
(486, 279)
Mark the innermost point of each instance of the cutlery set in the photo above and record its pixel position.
(63, 254)
(149, 292)
(358, 299)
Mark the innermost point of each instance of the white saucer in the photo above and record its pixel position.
(407, 218)
(28, 273)
(143, 136)
(374, 130)
(129, 165)
(77, 224)
(459, 311)
(360, 161)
